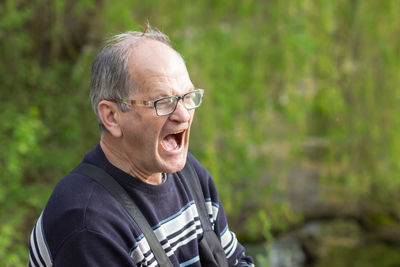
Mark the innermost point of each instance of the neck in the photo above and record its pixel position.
(116, 156)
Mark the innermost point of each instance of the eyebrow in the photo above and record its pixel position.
(160, 94)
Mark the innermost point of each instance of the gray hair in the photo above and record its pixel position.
(110, 77)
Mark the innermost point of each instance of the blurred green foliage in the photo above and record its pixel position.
(288, 83)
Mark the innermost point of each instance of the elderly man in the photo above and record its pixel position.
(144, 101)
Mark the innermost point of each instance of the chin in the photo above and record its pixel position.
(173, 163)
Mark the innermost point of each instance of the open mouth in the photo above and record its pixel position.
(173, 141)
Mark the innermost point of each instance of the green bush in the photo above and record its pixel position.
(279, 76)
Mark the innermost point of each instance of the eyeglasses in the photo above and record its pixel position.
(167, 105)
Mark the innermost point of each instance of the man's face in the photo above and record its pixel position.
(157, 144)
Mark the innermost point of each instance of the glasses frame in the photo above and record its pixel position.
(153, 103)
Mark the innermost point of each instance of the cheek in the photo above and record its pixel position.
(150, 131)
(144, 129)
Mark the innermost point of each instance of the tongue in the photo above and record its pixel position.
(169, 142)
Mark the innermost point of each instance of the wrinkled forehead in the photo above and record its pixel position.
(155, 62)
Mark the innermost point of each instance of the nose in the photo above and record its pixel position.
(181, 114)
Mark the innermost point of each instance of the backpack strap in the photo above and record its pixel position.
(213, 253)
(119, 193)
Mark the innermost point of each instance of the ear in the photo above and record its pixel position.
(109, 115)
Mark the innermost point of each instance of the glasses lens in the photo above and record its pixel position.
(165, 105)
(193, 99)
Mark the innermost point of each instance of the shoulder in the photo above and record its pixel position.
(201, 171)
(207, 183)
(78, 204)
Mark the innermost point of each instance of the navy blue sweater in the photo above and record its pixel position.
(83, 225)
